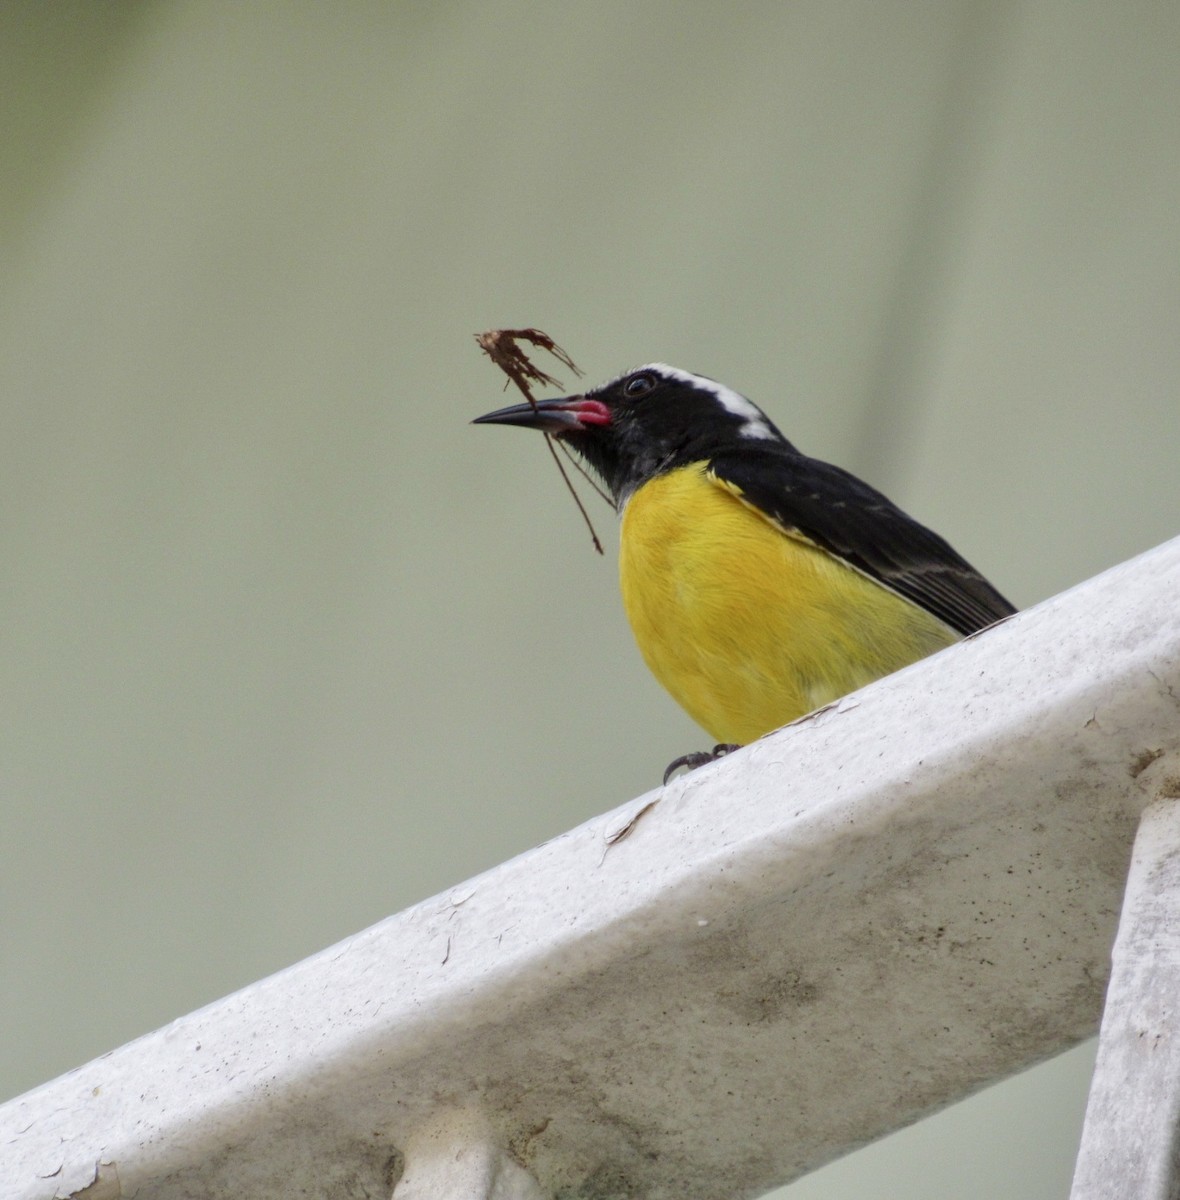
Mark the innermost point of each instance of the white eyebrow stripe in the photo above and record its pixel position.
(754, 422)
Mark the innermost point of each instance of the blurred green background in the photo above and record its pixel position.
(287, 645)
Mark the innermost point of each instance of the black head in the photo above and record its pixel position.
(644, 423)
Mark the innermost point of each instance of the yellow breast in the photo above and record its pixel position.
(749, 627)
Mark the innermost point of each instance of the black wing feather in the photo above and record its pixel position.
(854, 522)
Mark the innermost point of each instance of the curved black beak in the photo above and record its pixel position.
(564, 415)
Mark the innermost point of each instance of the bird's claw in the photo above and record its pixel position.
(699, 758)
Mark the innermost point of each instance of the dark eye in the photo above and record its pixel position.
(639, 385)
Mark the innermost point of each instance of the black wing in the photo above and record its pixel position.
(853, 521)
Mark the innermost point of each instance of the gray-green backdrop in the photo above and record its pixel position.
(287, 645)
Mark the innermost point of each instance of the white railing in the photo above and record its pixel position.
(730, 980)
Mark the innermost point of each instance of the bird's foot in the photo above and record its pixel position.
(699, 758)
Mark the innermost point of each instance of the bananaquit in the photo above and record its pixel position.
(760, 584)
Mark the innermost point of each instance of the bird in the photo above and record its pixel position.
(760, 583)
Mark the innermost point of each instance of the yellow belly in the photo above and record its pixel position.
(747, 627)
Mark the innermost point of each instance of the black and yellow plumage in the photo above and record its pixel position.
(759, 583)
